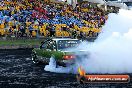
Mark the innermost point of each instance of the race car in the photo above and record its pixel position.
(58, 48)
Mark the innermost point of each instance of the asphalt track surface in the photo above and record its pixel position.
(18, 71)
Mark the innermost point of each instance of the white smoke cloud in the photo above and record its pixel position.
(55, 68)
(112, 51)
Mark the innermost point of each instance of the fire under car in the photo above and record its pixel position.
(58, 48)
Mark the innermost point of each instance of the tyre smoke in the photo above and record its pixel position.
(112, 51)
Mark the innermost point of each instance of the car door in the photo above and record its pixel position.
(48, 48)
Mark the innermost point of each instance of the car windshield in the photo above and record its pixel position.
(66, 44)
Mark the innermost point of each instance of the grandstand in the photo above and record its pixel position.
(31, 18)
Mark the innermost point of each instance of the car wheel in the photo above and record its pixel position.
(34, 58)
(46, 61)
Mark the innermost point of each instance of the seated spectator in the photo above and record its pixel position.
(38, 13)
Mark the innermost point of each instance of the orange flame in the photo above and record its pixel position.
(81, 71)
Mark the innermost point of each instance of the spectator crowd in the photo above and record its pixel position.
(34, 18)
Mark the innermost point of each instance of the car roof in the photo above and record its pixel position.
(57, 39)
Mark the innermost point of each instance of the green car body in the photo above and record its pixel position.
(55, 48)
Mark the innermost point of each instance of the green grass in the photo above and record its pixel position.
(21, 42)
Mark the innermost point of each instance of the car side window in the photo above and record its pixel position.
(54, 46)
(50, 45)
(44, 46)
